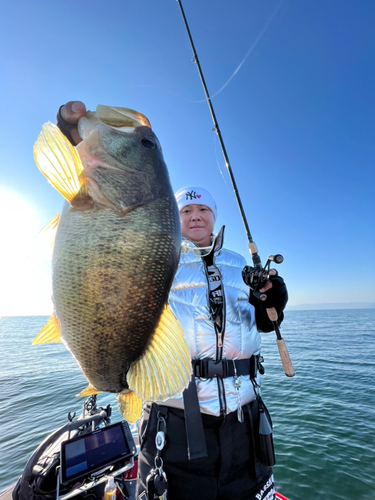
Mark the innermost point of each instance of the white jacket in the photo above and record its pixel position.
(189, 300)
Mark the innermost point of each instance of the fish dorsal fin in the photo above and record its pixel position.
(120, 117)
(89, 391)
(164, 370)
(49, 333)
(130, 405)
(59, 161)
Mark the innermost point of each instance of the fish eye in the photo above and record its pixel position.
(147, 143)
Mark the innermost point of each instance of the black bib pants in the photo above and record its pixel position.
(231, 470)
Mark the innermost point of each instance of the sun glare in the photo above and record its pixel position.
(24, 274)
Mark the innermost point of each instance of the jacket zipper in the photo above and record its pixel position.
(221, 394)
(220, 335)
(219, 352)
(219, 340)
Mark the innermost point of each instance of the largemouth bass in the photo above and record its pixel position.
(115, 254)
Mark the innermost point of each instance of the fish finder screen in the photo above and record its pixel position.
(91, 452)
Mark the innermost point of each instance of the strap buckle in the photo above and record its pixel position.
(219, 369)
(207, 368)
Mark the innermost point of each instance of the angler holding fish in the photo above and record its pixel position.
(218, 433)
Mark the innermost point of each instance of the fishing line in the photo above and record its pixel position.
(221, 172)
(243, 238)
(254, 44)
(249, 51)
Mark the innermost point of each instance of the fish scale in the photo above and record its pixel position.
(106, 301)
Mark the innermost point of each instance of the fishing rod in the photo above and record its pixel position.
(257, 275)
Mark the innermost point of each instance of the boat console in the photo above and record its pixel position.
(86, 461)
(76, 459)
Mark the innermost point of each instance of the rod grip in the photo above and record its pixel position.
(272, 313)
(283, 351)
(285, 358)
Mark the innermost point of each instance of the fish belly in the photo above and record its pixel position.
(111, 279)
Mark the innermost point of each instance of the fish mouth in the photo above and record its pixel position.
(121, 119)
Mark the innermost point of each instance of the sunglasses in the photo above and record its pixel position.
(186, 247)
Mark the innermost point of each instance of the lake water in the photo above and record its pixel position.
(324, 417)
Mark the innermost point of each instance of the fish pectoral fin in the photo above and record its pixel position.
(59, 161)
(50, 332)
(89, 391)
(164, 370)
(121, 117)
(130, 405)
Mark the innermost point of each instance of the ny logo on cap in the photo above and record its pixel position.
(192, 194)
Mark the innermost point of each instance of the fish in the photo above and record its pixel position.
(115, 253)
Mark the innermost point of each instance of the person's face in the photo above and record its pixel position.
(197, 224)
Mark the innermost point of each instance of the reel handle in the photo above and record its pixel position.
(277, 259)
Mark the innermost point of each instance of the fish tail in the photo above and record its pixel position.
(164, 370)
(130, 405)
(59, 161)
(49, 333)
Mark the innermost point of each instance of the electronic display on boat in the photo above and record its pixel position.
(91, 452)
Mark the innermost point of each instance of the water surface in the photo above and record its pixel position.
(324, 417)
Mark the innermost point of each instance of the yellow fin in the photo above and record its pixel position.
(89, 391)
(130, 405)
(49, 231)
(59, 161)
(49, 333)
(164, 370)
(51, 226)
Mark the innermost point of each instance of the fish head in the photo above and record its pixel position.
(122, 158)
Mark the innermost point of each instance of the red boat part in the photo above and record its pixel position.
(279, 496)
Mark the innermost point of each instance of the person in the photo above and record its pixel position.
(212, 448)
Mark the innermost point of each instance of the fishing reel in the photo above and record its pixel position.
(256, 277)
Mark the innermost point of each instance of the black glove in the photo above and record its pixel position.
(277, 297)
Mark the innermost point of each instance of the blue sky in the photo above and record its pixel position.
(297, 120)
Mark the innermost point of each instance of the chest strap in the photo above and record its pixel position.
(209, 368)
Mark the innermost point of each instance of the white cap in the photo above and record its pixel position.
(195, 195)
